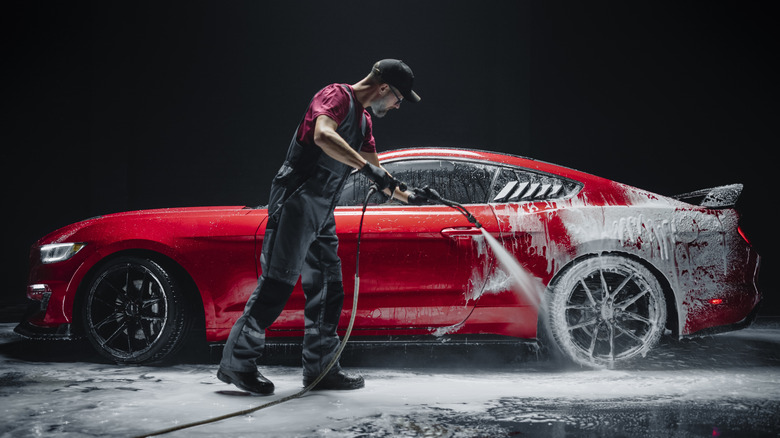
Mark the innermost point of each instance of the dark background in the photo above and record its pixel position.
(114, 106)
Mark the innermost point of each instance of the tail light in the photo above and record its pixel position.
(742, 233)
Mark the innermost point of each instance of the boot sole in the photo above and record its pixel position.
(335, 387)
(226, 379)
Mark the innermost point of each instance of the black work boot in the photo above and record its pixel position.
(338, 380)
(251, 381)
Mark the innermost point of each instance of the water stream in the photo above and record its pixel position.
(523, 283)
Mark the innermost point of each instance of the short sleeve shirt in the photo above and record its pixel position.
(333, 101)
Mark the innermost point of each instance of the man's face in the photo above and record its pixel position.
(391, 100)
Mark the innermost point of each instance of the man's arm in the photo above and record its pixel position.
(326, 137)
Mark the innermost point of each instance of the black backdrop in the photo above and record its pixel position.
(115, 106)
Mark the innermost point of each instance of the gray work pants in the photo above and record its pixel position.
(297, 242)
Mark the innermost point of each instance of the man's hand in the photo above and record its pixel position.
(380, 176)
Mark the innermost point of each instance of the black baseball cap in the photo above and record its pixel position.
(399, 75)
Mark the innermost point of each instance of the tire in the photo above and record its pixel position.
(134, 313)
(598, 329)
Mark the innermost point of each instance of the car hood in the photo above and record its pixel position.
(67, 233)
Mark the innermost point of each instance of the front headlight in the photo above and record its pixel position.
(57, 252)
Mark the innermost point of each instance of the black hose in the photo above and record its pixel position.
(335, 359)
(431, 194)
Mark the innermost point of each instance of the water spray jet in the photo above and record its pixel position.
(524, 282)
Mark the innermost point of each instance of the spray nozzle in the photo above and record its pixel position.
(468, 215)
(400, 185)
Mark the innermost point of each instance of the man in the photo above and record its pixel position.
(334, 136)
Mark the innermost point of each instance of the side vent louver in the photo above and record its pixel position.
(533, 187)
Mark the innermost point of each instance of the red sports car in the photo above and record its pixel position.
(611, 267)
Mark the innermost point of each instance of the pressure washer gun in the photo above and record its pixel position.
(427, 193)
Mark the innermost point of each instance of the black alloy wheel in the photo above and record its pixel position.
(133, 312)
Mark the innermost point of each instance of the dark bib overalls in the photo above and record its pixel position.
(300, 240)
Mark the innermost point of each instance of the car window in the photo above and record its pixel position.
(515, 185)
(459, 181)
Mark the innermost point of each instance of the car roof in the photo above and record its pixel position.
(594, 186)
(487, 156)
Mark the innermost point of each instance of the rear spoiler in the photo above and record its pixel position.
(716, 197)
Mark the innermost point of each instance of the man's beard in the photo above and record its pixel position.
(380, 107)
(378, 111)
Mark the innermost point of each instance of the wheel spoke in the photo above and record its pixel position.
(128, 282)
(587, 292)
(632, 300)
(122, 326)
(111, 317)
(583, 324)
(592, 347)
(622, 285)
(153, 318)
(581, 307)
(604, 285)
(630, 335)
(611, 342)
(636, 317)
(104, 302)
(145, 304)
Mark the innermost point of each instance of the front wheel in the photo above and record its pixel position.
(606, 310)
(133, 312)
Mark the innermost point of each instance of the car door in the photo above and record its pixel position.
(421, 266)
(527, 208)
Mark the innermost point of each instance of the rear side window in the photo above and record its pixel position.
(514, 185)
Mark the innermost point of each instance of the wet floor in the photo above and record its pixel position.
(725, 385)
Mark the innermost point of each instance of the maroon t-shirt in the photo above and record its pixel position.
(333, 101)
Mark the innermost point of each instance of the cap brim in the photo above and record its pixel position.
(411, 96)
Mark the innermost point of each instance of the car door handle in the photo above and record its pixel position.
(455, 232)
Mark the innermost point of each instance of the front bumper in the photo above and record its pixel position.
(28, 330)
(62, 332)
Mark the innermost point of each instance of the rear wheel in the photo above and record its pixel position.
(606, 310)
(133, 312)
